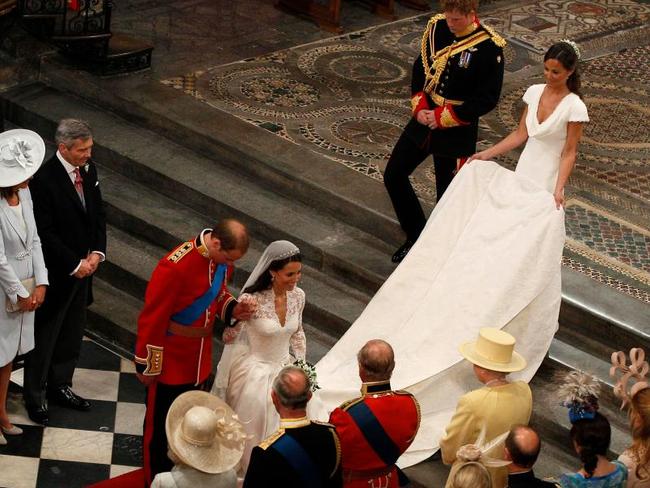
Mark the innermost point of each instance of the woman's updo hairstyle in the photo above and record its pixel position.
(568, 54)
(264, 281)
(592, 437)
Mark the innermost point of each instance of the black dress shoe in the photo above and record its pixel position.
(402, 252)
(65, 397)
(39, 414)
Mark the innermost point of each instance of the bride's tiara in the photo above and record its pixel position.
(574, 46)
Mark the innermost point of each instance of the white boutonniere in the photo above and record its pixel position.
(86, 167)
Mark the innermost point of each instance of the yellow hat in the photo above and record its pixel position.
(493, 350)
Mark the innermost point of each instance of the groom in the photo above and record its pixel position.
(173, 352)
(457, 81)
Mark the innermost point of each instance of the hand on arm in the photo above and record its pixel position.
(245, 308)
(567, 161)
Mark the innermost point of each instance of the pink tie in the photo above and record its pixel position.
(78, 185)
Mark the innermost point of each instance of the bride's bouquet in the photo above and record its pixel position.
(310, 371)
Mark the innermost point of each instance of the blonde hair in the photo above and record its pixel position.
(640, 426)
(471, 475)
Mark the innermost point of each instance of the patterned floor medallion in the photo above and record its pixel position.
(346, 98)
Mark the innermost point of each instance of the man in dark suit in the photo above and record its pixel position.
(456, 79)
(72, 226)
(302, 452)
(522, 448)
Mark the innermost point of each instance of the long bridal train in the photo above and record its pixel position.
(488, 257)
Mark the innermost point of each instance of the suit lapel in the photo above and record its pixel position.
(11, 217)
(68, 187)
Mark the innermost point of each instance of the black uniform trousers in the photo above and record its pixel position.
(159, 398)
(59, 327)
(407, 156)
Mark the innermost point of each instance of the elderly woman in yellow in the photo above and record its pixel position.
(23, 276)
(496, 407)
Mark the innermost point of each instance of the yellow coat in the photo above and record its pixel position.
(499, 408)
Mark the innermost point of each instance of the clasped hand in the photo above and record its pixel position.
(428, 118)
(88, 266)
(33, 301)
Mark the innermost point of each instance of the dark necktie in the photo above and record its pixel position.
(78, 185)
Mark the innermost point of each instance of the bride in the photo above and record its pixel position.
(489, 256)
(261, 347)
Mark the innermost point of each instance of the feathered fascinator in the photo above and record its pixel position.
(483, 452)
(579, 393)
(636, 371)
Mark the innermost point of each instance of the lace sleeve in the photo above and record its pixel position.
(298, 340)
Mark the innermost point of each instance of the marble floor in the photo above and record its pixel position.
(346, 98)
(79, 448)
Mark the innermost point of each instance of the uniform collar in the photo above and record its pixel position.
(294, 423)
(470, 29)
(373, 387)
(199, 243)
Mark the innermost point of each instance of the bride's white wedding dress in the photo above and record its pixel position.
(489, 256)
(252, 364)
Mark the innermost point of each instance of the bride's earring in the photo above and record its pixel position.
(272, 277)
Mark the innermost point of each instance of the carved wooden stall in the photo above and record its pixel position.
(7, 6)
(327, 13)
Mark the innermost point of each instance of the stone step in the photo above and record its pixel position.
(331, 186)
(142, 221)
(211, 189)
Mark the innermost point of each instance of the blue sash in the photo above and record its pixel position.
(374, 433)
(294, 454)
(193, 311)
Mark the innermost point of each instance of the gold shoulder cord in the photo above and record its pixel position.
(496, 38)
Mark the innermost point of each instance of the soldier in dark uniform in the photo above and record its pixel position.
(302, 453)
(376, 428)
(456, 79)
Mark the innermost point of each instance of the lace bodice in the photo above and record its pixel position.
(268, 339)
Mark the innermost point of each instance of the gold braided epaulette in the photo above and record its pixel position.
(496, 38)
(350, 403)
(266, 443)
(180, 252)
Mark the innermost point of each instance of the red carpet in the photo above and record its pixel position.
(133, 479)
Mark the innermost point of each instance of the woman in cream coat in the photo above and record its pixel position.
(21, 257)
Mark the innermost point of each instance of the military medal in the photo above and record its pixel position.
(465, 57)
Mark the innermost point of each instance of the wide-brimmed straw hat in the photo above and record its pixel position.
(204, 432)
(21, 153)
(493, 350)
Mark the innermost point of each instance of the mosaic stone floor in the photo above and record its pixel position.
(346, 98)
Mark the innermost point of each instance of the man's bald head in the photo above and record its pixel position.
(292, 387)
(523, 445)
(376, 360)
(232, 235)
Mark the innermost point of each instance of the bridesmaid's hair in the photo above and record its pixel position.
(640, 426)
(264, 281)
(471, 474)
(568, 57)
(592, 436)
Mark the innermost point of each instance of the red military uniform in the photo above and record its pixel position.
(171, 347)
(178, 280)
(398, 416)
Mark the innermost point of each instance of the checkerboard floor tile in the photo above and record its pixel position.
(79, 448)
